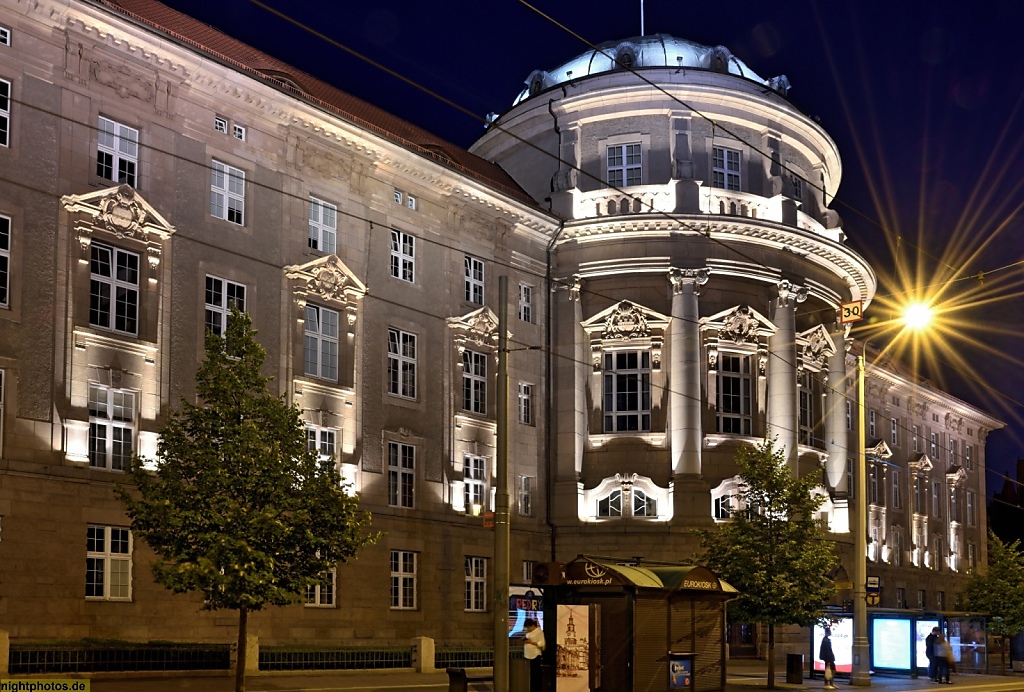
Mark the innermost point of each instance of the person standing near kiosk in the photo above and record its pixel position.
(533, 649)
(829, 659)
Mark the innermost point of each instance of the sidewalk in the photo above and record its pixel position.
(743, 676)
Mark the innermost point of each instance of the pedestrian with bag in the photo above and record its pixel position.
(829, 658)
(929, 651)
(943, 659)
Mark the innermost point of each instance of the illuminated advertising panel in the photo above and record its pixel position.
(842, 645)
(890, 643)
(524, 603)
(921, 631)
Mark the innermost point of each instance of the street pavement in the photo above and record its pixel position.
(743, 676)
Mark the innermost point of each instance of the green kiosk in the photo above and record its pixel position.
(615, 624)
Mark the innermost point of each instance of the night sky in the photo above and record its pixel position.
(925, 101)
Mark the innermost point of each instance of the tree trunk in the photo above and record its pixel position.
(243, 621)
(771, 657)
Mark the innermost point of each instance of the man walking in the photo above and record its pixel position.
(533, 649)
(929, 651)
(829, 658)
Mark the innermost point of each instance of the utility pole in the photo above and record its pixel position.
(501, 527)
(860, 675)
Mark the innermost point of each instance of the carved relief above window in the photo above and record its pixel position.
(814, 347)
(622, 496)
(737, 354)
(477, 330)
(118, 213)
(627, 324)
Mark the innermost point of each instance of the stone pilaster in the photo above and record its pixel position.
(685, 433)
(783, 422)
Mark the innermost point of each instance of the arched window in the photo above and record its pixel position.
(643, 504)
(610, 505)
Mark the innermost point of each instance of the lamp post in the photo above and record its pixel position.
(859, 674)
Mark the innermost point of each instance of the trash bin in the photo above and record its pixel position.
(519, 675)
(795, 669)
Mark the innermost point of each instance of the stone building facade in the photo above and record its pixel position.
(675, 273)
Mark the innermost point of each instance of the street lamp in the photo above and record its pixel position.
(916, 317)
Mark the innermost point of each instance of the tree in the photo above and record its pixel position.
(237, 508)
(772, 549)
(998, 590)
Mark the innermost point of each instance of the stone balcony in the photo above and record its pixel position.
(687, 197)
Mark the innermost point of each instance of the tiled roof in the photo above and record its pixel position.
(208, 40)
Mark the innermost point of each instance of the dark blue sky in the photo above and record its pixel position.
(924, 100)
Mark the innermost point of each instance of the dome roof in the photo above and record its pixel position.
(657, 50)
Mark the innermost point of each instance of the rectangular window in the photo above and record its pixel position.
(972, 556)
(897, 499)
(108, 563)
(526, 302)
(5, 113)
(117, 152)
(323, 441)
(894, 435)
(919, 495)
(525, 403)
(871, 425)
(627, 391)
(476, 584)
(220, 124)
(114, 289)
(401, 363)
(897, 549)
(5, 36)
(970, 508)
(734, 387)
(873, 484)
(934, 442)
(323, 226)
(938, 556)
(936, 499)
(474, 475)
(806, 409)
(474, 382)
(238, 132)
(916, 432)
(111, 427)
(901, 597)
(403, 580)
(952, 451)
(221, 296)
(968, 462)
(5, 260)
(922, 598)
(725, 168)
(528, 571)
(474, 279)
(954, 505)
(401, 475)
(849, 415)
(940, 600)
(525, 488)
(321, 342)
(227, 193)
(849, 477)
(403, 256)
(321, 594)
(2, 381)
(798, 186)
(624, 165)
(410, 202)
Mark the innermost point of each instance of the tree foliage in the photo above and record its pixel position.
(998, 589)
(238, 508)
(772, 550)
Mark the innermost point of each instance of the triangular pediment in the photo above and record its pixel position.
(327, 277)
(479, 328)
(880, 449)
(815, 347)
(626, 320)
(120, 210)
(739, 324)
(922, 463)
(956, 475)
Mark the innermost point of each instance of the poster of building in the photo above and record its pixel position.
(572, 655)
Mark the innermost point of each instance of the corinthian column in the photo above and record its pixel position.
(685, 433)
(783, 422)
(835, 414)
